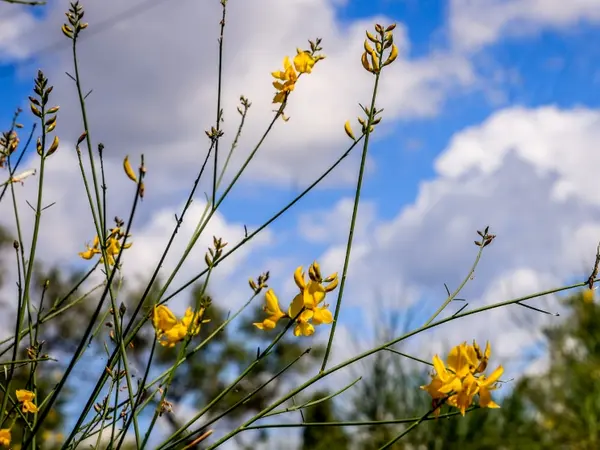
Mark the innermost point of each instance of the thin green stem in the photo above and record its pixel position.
(268, 222)
(458, 289)
(111, 361)
(134, 410)
(227, 390)
(51, 314)
(366, 423)
(219, 110)
(203, 225)
(28, 272)
(363, 163)
(422, 361)
(139, 325)
(83, 342)
(182, 351)
(374, 350)
(99, 221)
(239, 402)
(243, 112)
(405, 432)
(314, 402)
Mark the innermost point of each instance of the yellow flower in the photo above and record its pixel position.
(313, 292)
(287, 80)
(464, 397)
(163, 319)
(463, 379)
(91, 251)
(307, 307)
(303, 62)
(26, 397)
(273, 311)
(449, 381)
(303, 326)
(5, 437)
(311, 297)
(321, 315)
(113, 246)
(169, 330)
(489, 384)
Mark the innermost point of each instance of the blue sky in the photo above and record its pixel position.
(492, 125)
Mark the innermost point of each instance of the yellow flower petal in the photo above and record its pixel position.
(303, 62)
(5, 437)
(393, 55)
(129, 170)
(163, 318)
(296, 305)
(348, 130)
(88, 254)
(322, 316)
(313, 294)
(24, 395)
(299, 278)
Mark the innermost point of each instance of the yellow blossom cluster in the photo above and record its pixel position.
(113, 246)
(463, 378)
(5, 437)
(286, 78)
(26, 398)
(9, 141)
(170, 330)
(307, 307)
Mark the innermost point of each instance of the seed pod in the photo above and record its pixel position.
(393, 55)
(35, 111)
(365, 62)
(53, 147)
(371, 37)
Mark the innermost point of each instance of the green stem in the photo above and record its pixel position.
(357, 423)
(458, 289)
(29, 271)
(372, 351)
(97, 211)
(233, 144)
(405, 432)
(238, 403)
(111, 360)
(231, 386)
(83, 342)
(219, 111)
(363, 161)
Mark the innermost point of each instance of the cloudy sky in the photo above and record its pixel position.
(492, 117)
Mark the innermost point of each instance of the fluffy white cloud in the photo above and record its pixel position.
(511, 172)
(154, 79)
(476, 23)
(14, 21)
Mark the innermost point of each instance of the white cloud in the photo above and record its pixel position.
(552, 141)
(162, 105)
(509, 172)
(476, 23)
(14, 23)
(332, 226)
